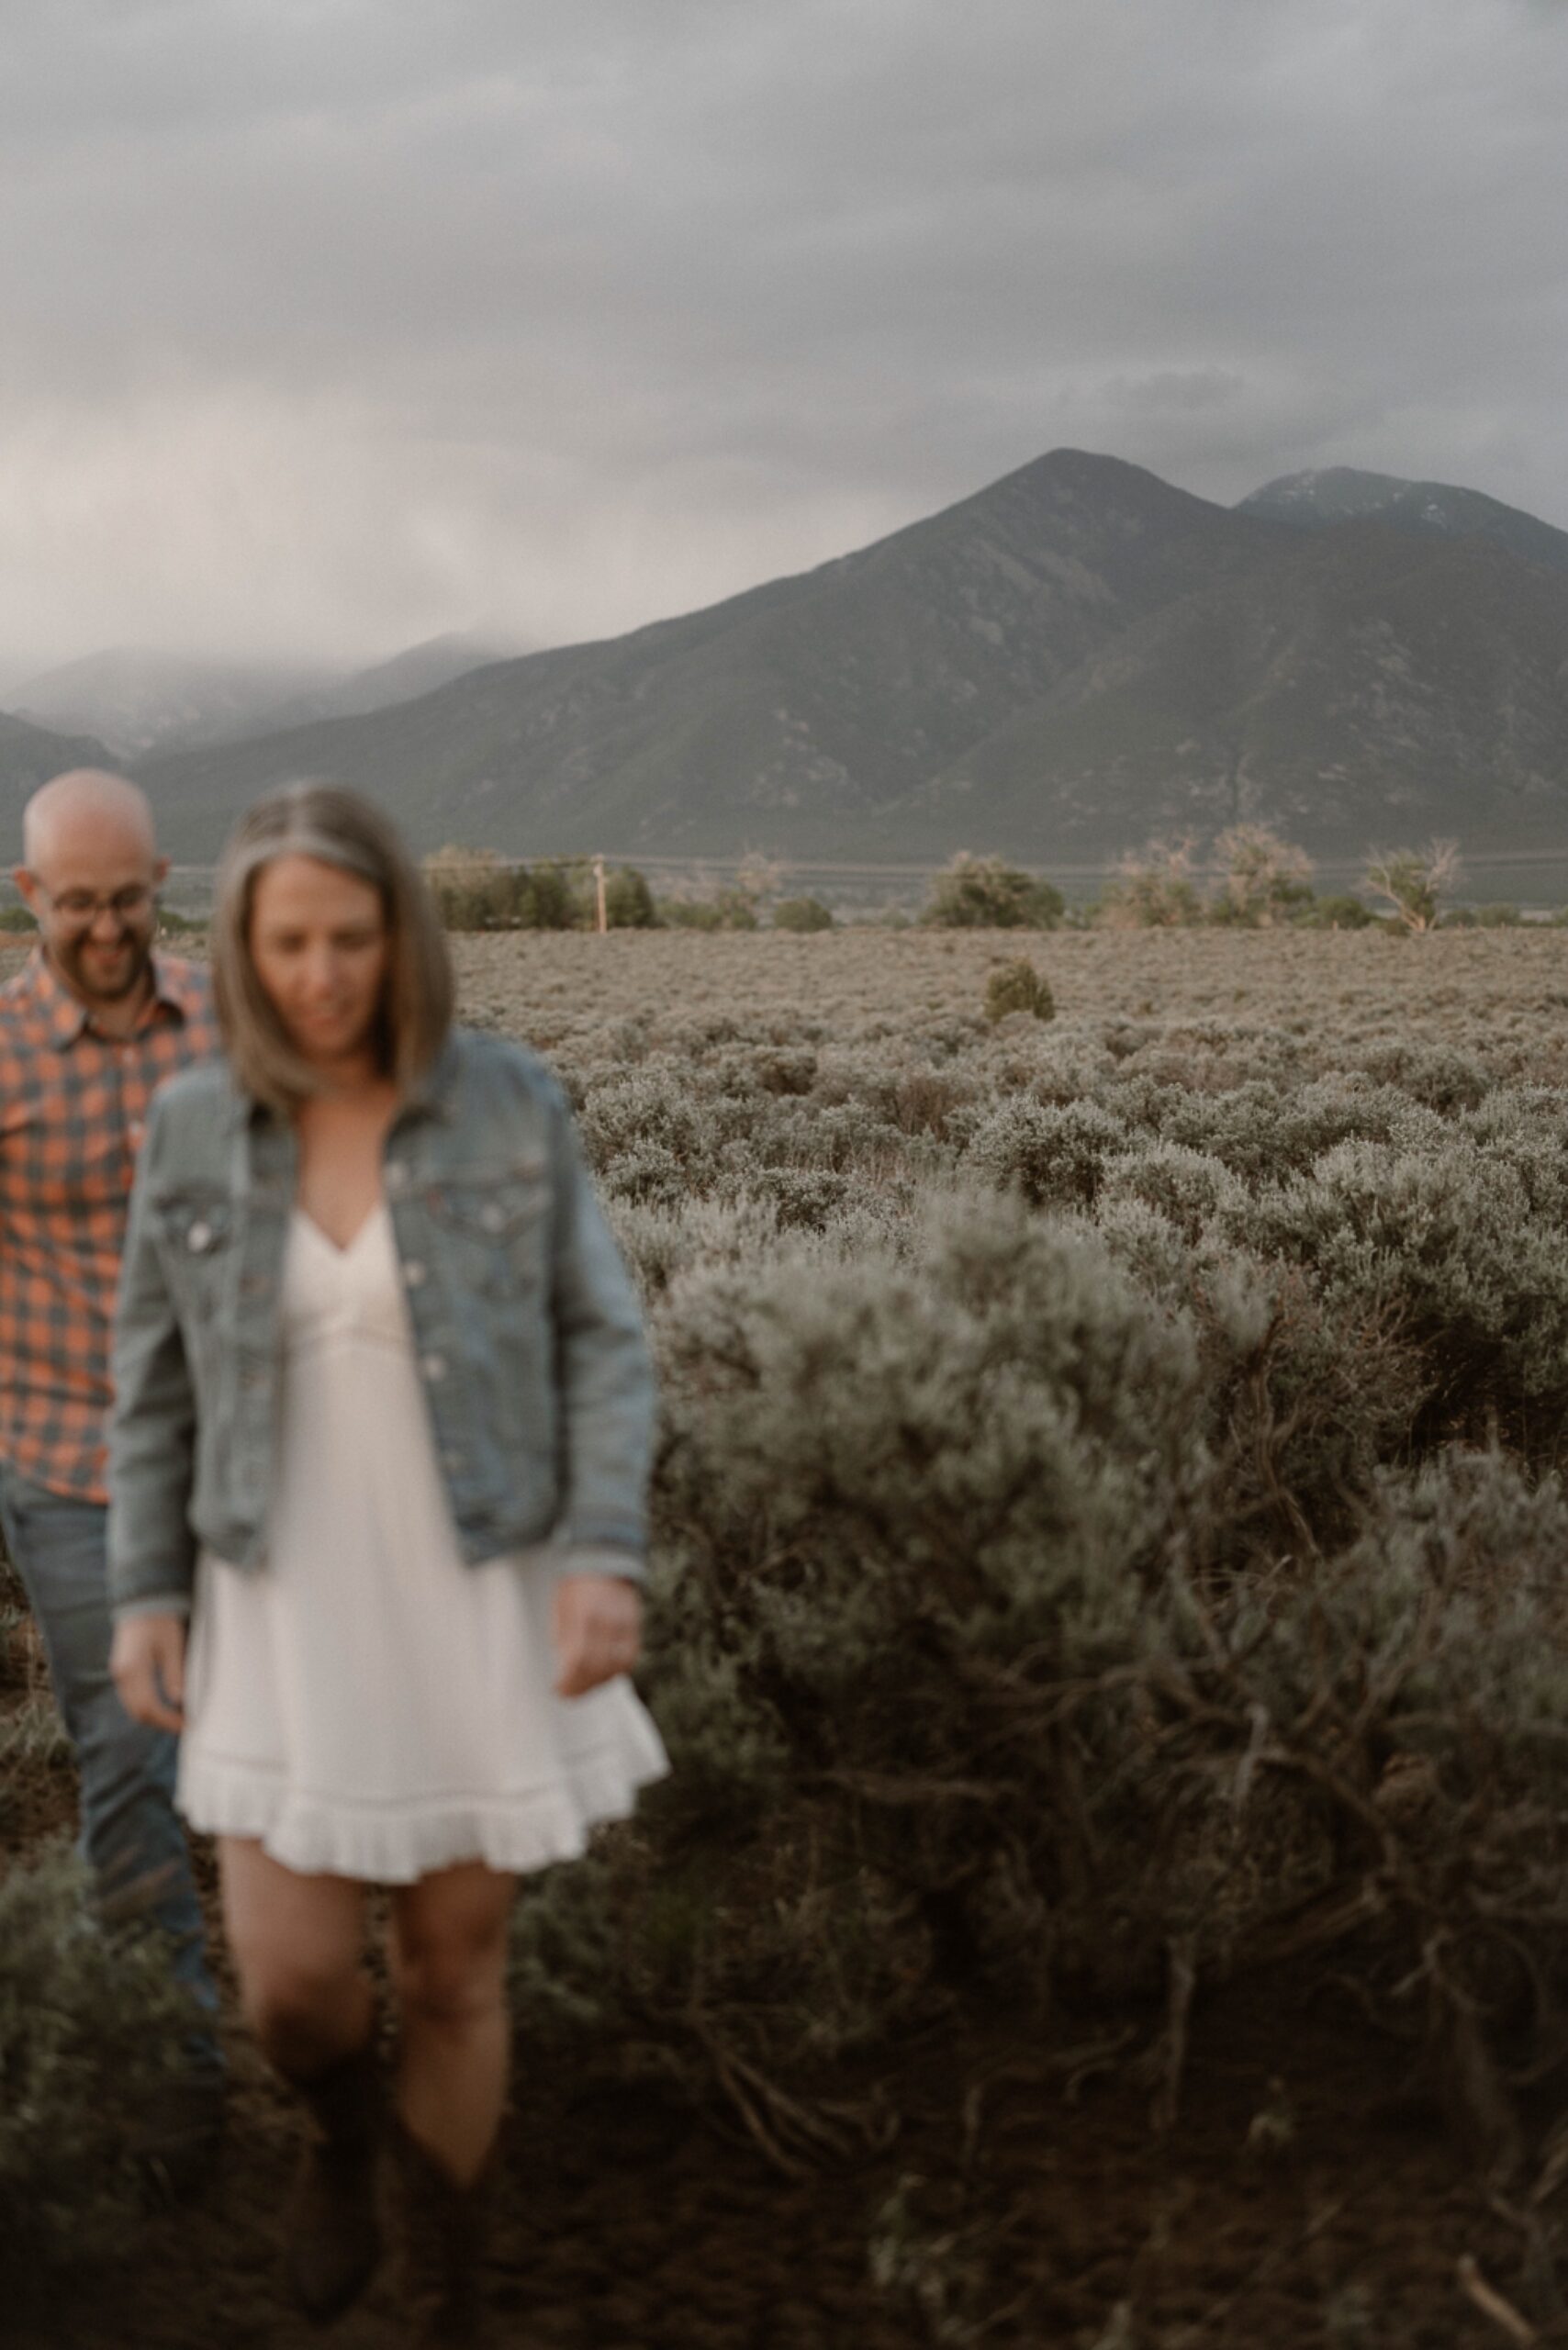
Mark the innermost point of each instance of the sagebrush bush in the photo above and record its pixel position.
(1108, 1531)
(990, 1543)
(90, 2030)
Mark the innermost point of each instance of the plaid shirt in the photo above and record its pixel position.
(71, 1106)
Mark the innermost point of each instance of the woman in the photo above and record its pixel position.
(381, 1435)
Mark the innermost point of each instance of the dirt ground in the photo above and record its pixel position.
(1303, 2202)
(1301, 2199)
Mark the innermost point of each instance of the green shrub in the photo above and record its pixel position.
(1338, 911)
(726, 910)
(18, 918)
(690, 914)
(1017, 986)
(802, 914)
(985, 893)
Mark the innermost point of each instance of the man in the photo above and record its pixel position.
(88, 1028)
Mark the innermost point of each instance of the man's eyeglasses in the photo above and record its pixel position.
(81, 908)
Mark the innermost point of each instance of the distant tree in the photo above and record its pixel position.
(474, 888)
(1265, 879)
(1152, 888)
(759, 877)
(727, 908)
(737, 909)
(1336, 912)
(802, 914)
(554, 895)
(628, 901)
(1413, 882)
(985, 893)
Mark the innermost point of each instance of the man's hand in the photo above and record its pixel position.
(598, 1631)
(148, 1661)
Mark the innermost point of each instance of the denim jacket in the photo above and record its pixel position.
(528, 1335)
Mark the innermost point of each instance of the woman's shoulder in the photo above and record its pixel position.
(493, 1069)
(205, 1088)
(190, 1121)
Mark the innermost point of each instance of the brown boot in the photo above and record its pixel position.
(443, 2227)
(333, 2235)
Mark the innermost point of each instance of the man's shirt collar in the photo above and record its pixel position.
(70, 1018)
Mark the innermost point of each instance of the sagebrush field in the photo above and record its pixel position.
(1108, 1620)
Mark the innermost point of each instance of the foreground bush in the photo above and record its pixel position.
(1007, 1647)
(90, 2028)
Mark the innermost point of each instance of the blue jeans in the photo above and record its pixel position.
(131, 1837)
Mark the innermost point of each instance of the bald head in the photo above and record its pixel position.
(87, 810)
(90, 874)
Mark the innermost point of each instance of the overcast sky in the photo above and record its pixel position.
(326, 325)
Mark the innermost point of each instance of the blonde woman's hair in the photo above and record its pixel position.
(322, 820)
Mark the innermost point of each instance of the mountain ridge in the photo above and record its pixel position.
(1071, 657)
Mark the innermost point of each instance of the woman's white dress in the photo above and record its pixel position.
(366, 1702)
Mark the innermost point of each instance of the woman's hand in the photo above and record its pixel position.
(599, 1630)
(148, 1661)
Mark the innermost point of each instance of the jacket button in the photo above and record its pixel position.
(413, 1272)
(396, 1179)
(433, 1366)
(199, 1238)
(492, 1216)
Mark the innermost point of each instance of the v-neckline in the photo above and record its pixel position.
(325, 1238)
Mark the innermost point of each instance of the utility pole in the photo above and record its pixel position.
(598, 893)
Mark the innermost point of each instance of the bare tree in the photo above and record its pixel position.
(1152, 888)
(1413, 882)
(758, 877)
(1265, 878)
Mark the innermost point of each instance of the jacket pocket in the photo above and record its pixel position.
(494, 1222)
(195, 1231)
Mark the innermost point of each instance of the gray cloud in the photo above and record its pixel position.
(331, 324)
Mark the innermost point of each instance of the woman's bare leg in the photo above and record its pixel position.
(449, 1948)
(299, 1947)
(299, 1943)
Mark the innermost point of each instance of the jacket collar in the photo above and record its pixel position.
(433, 1093)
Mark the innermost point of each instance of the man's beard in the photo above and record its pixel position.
(133, 958)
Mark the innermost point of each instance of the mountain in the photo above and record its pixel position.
(419, 670)
(1314, 501)
(136, 700)
(1367, 686)
(28, 757)
(806, 714)
(1072, 658)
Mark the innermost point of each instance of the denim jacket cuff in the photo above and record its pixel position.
(171, 1603)
(596, 1559)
